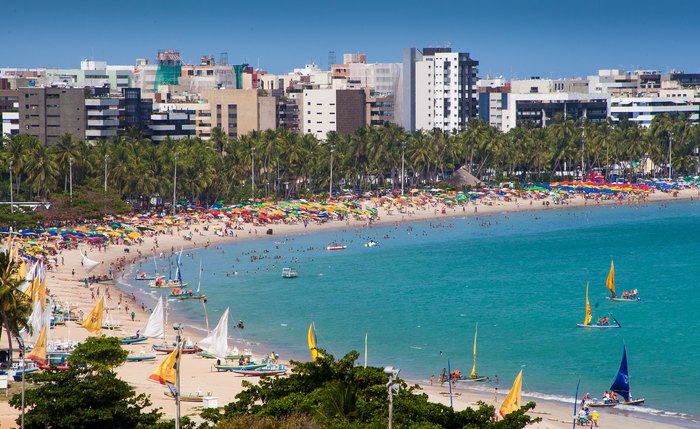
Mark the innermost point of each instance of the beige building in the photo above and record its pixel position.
(237, 112)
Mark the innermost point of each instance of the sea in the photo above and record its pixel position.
(522, 277)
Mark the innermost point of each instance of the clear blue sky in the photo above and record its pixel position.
(517, 38)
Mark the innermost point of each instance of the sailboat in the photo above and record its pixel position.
(142, 274)
(155, 326)
(160, 281)
(474, 376)
(311, 339)
(195, 295)
(587, 320)
(157, 329)
(610, 284)
(621, 386)
(216, 343)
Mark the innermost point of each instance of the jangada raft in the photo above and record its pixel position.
(272, 369)
(602, 324)
(621, 387)
(627, 296)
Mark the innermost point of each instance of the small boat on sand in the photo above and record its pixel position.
(189, 397)
(272, 369)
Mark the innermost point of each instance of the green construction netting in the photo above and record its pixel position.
(167, 75)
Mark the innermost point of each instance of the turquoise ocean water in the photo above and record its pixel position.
(522, 277)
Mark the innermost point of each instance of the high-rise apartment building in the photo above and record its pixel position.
(439, 89)
(48, 113)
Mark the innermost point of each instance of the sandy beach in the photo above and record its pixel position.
(198, 373)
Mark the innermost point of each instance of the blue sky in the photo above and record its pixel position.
(510, 37)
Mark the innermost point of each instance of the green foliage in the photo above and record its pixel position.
(339, 394)
(14, 304)
(99, 354)
(79, 398)
(19, 219)
(285, 164)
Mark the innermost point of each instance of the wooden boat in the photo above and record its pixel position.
(161, 283)
(371, 243)
(336, 247)
(234, 356)
(288, 273)
(134, 339)
(102, 279)
(143, 276)
(216, 343)
(587, 320)
(610, 284)
(141, 357)
(621, 386)
(236, 367)
(271, 369)
(197, 294)
(168, 348)
(473, 376)
(177, 293)
(189, 397)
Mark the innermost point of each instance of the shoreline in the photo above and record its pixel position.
(63, 285)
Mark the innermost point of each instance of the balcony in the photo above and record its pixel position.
(107, 102)
(100, 133)
(103, 123)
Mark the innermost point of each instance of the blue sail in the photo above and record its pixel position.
(621, 385)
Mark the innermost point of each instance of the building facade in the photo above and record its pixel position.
(48, 113)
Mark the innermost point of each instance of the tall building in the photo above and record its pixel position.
(439, 89)
(325, 110)
(237, 112)
(48, 113)
(91, 73)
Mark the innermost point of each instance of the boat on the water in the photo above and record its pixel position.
(271, 369)
(603, 323)
(141, 275)
(336, 246)
(197, 294)
(288, 273)
(160, 281)
(621, 387)
(473, 376)
(627, 296)
(372, 243)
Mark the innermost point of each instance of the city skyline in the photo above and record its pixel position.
(511, 39)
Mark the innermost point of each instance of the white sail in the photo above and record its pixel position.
(34, 322)
(88, 263)
(155, 327)
(217, 342)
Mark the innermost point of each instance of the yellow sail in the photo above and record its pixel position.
(315, 355)
(166, 372)
(39, 351)
(473, 374)
(587, 320)
(41, 293)
(512, 401)
(610, 282)
(93, 323)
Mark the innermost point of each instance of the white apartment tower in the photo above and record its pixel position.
(439, 89)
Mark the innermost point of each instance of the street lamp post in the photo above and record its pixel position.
(393, 388)
(175, 182)
(670, 168)
(330, 184)
(106, 160)
(12, 204)
(403, 171)
(252, 172)
(20, 342)
(70, 176)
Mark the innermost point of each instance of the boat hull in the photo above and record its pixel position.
(614, 404)
(132, 340)
(581, 325)
(186, 398)
(259, 373)
(226, 368)
(623, 299)
(140, 358)
(475, 379)
(169, 349)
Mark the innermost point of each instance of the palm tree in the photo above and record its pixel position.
(42, 171)
(14, 305)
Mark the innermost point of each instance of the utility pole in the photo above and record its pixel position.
(12, 204)
(21, 350)
(252, 172)
(330, 184)
(175, 182)
(583, 149)
(670, 169)
(403, 171)
(178, 329)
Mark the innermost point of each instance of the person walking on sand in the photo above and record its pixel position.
(132, 316)
(432, 379)
(594, 417)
